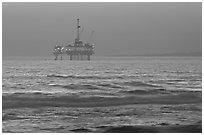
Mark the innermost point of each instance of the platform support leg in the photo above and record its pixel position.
(77, 56)
(88, 58)
(56, 57)
(81, 57)
(70, 57)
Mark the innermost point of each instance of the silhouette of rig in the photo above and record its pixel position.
(76, 51)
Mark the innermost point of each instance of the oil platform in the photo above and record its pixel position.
(76, 51)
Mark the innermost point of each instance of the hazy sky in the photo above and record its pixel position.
(33, 29)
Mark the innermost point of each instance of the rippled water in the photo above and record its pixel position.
(60, 96)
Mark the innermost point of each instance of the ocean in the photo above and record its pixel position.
(90, 96)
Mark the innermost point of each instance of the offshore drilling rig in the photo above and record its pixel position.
(76, 51)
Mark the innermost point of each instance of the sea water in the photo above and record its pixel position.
(64, 96)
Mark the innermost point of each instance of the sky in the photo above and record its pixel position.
(132, 28)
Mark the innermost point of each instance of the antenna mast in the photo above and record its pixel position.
(78, 27)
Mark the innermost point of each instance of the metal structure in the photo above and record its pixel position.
(78, 50)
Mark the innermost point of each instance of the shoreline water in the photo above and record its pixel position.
(111, 95)
(160, 113)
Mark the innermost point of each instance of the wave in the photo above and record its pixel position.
(84, 77)
(146, 92)
(76, 86)
(141, 84)
(81, 130)
(163, 128)
(36, 100)
(113, 72)
(11, 117)
(78, 77)
(158, 128)
(94, 86)
(175, 80)
(109, 85)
